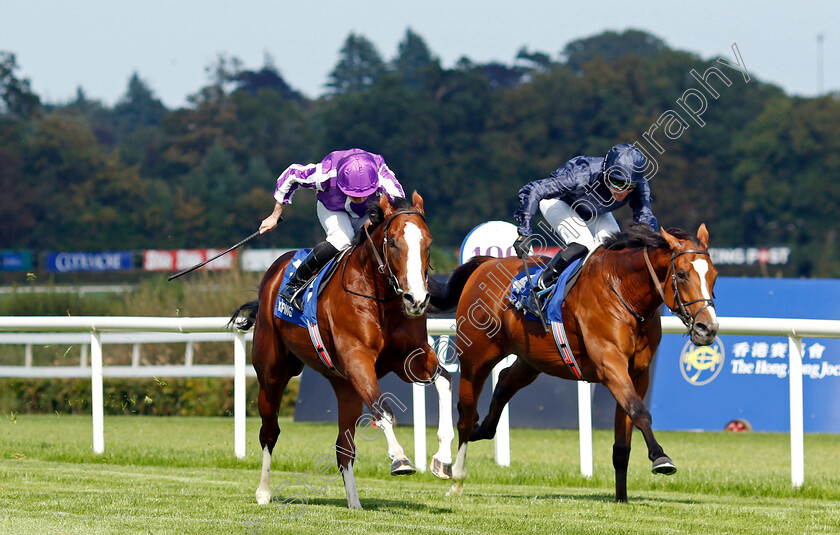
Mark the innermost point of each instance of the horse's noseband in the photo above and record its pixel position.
(384, 266)
(679, 309)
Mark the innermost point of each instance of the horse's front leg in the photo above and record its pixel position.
(349, 413)
(441, 463)
(423, 367)
(362, 376)
(630, 406)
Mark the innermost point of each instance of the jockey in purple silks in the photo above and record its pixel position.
(346, 181)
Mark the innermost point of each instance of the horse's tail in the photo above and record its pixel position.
(245, 317)
(446, 297)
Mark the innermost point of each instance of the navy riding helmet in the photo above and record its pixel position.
(624, 167)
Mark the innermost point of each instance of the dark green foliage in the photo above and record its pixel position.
(359, 67)
(197, 396)
(17, 101)
(85, 176)
(610, 46)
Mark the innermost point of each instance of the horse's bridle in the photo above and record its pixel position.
(680, 306)
(383, 266)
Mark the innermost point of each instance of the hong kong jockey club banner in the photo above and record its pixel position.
(89, 261)
(746, 377)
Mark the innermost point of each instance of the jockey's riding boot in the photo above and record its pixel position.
(320, 255)
(561, 261)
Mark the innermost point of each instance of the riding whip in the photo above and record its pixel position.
(243, 242)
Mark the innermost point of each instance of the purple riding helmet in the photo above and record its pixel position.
(358, 175)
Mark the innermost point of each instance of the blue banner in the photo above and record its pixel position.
(86, 261)
(746, 377)
(15, 261)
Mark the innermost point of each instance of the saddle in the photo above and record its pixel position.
(551, 305)
(549, 299)
(308, 319)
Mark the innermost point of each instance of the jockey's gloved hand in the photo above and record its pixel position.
(522, 247)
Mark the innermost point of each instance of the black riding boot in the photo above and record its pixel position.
(320, 255)
(561, 261)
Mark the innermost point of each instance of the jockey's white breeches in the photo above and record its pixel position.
(572, 228)
(339, 226)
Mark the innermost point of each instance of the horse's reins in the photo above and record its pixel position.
(382, 266)
(681, 310)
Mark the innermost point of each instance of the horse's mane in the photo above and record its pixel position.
(376, 216)
(639, 235)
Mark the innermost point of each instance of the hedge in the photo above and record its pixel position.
(200, 396)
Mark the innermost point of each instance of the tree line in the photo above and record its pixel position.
(761, 169)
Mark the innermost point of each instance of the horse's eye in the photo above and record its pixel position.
(682, 275)
(392, 243)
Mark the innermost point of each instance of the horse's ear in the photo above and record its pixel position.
(385, 204)
(703, 235)
(418, 202)
(673, 242)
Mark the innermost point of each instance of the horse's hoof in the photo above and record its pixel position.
(456, 490)
(664, 466)
(263, 497)
(402, 467)
(440, 470)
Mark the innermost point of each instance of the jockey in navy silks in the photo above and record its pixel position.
(576, 200)
(346, 181)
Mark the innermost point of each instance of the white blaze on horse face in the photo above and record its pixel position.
(414, 262)
(702, 267)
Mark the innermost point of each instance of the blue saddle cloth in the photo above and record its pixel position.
(520, 289)
(308, 295)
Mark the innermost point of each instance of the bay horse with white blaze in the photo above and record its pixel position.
(612, 319)
(372, 317)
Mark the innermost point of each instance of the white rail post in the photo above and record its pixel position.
(239, 395)
(27, 356)
(501, 444)
(418, 395)
(797, 426)
(97, 397)
(585, 426)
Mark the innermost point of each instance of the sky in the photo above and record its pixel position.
(62, 45)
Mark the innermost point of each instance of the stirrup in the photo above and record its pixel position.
(292, 297)
(530, 303)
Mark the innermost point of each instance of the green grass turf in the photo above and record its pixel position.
(179, 475)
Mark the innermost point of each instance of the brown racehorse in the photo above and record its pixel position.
(372, 318)
(611, 316)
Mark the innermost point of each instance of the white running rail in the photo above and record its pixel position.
(104, 329)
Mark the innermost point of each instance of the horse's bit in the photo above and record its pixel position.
(681, 307)
(385, 265)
